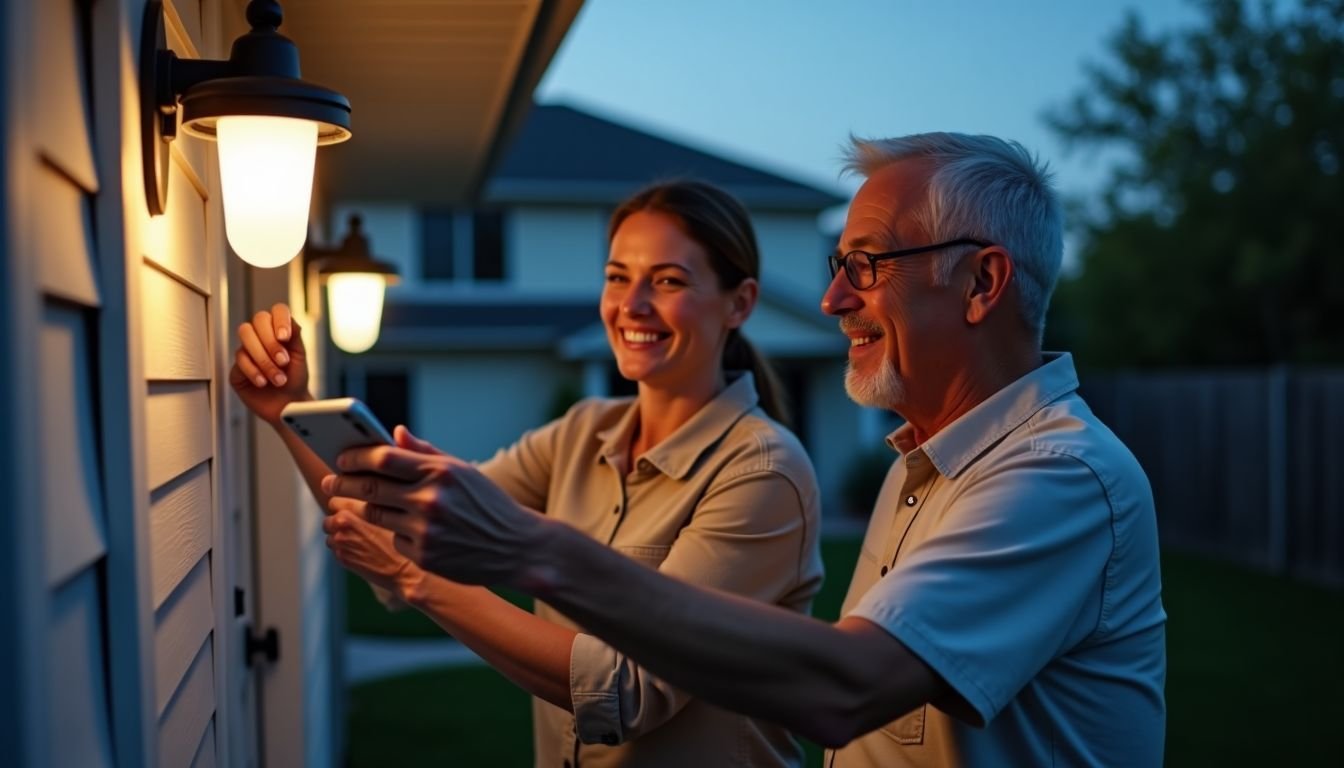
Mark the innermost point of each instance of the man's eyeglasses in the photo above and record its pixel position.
(861, 267)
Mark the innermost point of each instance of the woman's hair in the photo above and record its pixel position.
(717, 222)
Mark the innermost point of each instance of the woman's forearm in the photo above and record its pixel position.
(309, 465)
(530, 651)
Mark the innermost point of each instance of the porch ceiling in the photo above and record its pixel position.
(435, 86)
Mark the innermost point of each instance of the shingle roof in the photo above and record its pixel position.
(564, 154)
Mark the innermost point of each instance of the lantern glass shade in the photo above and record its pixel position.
(355, 309)
(266, 173)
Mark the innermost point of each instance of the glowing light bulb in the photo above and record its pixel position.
(355, 304)
(266, 172)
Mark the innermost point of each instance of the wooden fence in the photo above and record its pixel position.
(1245, 465)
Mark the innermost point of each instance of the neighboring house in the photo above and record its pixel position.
(146, 526)
(495, 329)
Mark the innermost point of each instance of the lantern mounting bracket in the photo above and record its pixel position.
(260, 77)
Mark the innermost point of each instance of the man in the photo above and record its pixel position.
(1006, 606)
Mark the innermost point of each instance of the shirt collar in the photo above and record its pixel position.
(959, 444)
(676, 455)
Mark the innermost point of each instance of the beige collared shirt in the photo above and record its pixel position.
(728, 501)
(1015, 552)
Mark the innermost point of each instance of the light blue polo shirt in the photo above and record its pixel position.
(1015, 552)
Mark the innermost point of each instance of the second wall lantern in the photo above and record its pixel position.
(268, 123)
(356, 282)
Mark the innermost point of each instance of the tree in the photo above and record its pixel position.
(1220, 236)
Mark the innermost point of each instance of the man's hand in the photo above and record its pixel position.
(447, 517)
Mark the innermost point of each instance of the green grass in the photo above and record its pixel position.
(467, 716)
(364, 615)
(1255, 668)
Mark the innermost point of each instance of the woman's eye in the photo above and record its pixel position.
(675, 282)
(615, 278)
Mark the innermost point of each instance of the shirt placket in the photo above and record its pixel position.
(919, 480)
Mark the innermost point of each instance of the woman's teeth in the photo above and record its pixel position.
(640, 337)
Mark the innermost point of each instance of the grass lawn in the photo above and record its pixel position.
(1256, 664)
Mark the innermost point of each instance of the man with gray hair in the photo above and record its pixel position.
(1006, 606)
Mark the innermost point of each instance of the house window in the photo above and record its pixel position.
(462, 245)
(389, 396)
(436, 244)
(386, 390)
(488, 248)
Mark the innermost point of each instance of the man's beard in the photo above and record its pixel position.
(884, 389)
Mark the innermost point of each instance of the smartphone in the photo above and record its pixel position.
(332, 426)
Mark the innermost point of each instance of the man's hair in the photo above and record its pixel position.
(985, 188)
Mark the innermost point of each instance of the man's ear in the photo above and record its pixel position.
(991, 272)
(743, 299)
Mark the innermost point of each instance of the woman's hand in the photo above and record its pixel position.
(270, 367)
(365, 548)
(448, 518)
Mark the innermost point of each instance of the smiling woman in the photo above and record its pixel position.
(695, 477)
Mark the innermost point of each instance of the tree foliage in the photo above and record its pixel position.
(1220, 236)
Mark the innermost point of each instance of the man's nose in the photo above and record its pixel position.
(840, 297)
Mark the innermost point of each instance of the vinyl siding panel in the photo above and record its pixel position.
(188, 14)
(64, 235)
(78, 733)
(178, 429)
(182, 626)
(178, 346)
(71, 477)
(189, 711)
(205, 751)
(61, 120)
(179, 529)
(174, 241)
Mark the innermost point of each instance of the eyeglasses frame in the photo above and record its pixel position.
(838, 261)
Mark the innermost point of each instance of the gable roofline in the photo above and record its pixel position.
(563, 154)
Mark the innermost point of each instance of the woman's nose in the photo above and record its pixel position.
(636, 300)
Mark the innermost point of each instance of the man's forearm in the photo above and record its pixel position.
(761, 660)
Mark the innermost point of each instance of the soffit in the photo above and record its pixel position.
(435, 86)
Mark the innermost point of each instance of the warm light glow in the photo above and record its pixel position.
(355, 307)
(266, 171)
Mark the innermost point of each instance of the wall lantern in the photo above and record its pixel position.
(355, 285)
(267, 121)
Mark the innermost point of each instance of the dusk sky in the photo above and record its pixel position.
(782, 84)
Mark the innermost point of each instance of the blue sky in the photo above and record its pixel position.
(782, 84)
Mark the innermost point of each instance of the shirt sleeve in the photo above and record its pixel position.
(754, 535)
(524, 469)
(1012, 576)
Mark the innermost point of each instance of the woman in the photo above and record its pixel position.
(694, 476)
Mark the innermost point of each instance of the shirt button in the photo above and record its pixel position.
(609, 739)
(884, 570)
(910, 500)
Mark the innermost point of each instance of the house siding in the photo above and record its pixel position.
(471, 405)
(116, 317)
(556, 249)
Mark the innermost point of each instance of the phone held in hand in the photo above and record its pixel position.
(332, 426)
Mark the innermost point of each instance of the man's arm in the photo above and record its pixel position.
(830, 683)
